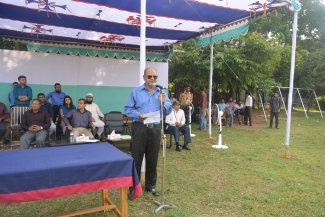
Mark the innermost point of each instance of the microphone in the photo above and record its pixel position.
(159, 86)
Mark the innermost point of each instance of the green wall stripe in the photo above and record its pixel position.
(108, 98)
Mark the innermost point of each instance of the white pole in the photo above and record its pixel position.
(210, 87)
(302, 103)
(292, 71)
(284, 105)
(142, 40)
(320, 110)
(262, 105)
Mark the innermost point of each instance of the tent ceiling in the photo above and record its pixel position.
(117, 22)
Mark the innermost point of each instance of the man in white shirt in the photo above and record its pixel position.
(248, 108)
(96, 115)
(176, 121)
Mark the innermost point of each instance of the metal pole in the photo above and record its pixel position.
(292, 71)
(302, 103)
(262, 105)
(142, 41)
(318, 105)
(210, 86)
(284, 105)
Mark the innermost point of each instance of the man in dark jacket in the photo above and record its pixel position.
(275, 107)
(35, 123)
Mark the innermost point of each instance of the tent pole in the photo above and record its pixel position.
(262, 105)
(142, 40)
(292, 71)
(320, 110)
(302, 103)
(210, 87)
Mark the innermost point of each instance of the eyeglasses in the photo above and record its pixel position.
(154, 76)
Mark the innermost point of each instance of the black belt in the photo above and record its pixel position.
(146, 125)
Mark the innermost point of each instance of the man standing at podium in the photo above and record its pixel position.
(146, 137)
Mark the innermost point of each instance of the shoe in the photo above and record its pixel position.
(6, 141)
(199, 128)
(153, 192)
(96, 136)
(186, 147)
(178, 148)
(131, 192)
(270, 126)
(278, 127)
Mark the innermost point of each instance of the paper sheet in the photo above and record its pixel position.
(152, 117)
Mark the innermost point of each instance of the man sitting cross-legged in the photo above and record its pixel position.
(79, 120)
(35, 122)
(176, 121)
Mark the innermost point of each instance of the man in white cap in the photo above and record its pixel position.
(172, 97)
(96, 114)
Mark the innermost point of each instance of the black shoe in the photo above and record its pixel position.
(96, 136)
(6, 141)
(186, 147)
(178, 148)
(270, 126)
(153, 192)
(131, 192)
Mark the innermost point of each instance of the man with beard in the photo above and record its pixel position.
(146, 137)
(96, 115)
(23, 94)
(57, 97)
(35, 122)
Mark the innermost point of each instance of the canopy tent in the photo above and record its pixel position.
(116, 24)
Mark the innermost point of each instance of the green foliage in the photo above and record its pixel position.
(11, 45)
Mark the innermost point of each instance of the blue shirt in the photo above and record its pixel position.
(141, 100)
(26, 91)
(222, 106)
(11, 98)
(47, 107)
(57, 98)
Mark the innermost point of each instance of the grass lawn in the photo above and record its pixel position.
(251, 178)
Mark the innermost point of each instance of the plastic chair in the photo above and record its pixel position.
(16, 114)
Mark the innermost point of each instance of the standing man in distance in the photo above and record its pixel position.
(57, 97)
(23, 94)
(146, 137)
(203, 108)
(248, 109)
(35, 122)
(172, 97)
(97, 116)
(11, 97)
(186, 98)
(275, 107)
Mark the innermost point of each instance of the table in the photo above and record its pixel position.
(44, 173)
(55, 143)
(119, 141)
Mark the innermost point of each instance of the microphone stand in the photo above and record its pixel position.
(220, 113)
(161, 204)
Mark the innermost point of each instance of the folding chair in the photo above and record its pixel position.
(16, 114)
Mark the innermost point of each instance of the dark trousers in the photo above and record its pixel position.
(239, 112)
(186, 110)
(176, 132)
(276, 114)
(56, 109)
(248, 114)
(3, 129)
(146, 141)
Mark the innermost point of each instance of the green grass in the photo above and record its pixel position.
(251, 178)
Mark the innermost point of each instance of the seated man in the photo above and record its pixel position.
(222, 105)
(239, 110)
(176, 121)
(4, 114)
(47, 107)
(79, 120)
(34, 122)
(95, 115)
